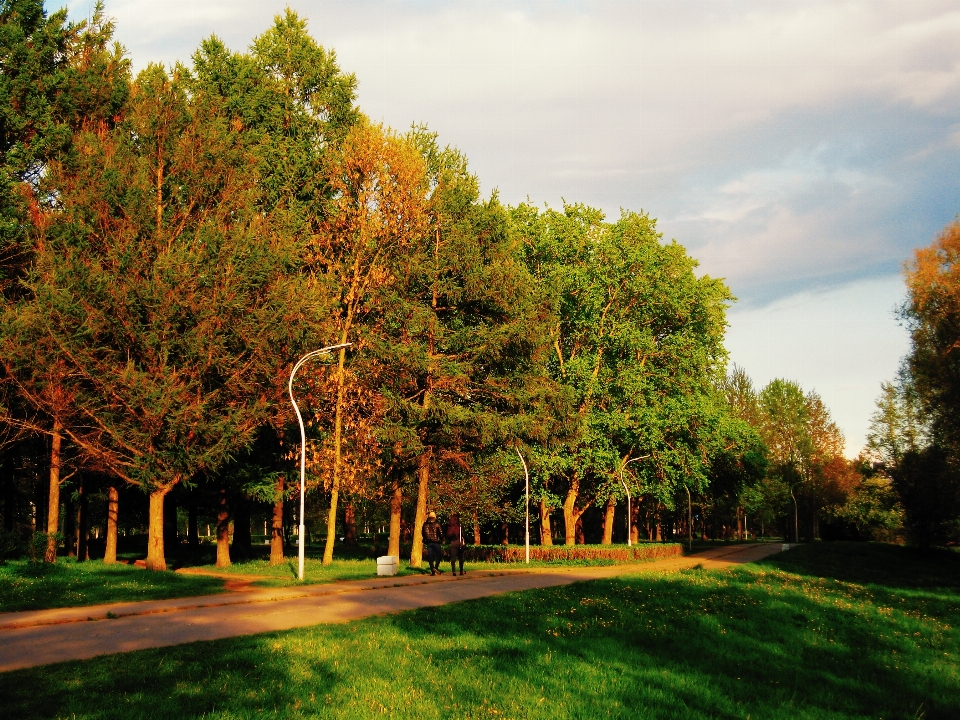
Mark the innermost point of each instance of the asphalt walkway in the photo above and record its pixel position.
(32, 638)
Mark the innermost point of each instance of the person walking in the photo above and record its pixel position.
(432, 537)
(457, 546)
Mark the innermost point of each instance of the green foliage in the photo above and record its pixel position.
(823, 631)
(55, 78)
(637, 342)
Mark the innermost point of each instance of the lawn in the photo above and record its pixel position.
(825, 631)
(32, 586)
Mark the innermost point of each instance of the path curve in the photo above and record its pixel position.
(29, 639)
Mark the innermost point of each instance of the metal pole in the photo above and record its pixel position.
(629, 534)
(303, 442)
(526, 475)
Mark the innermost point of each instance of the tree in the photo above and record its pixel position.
(163, 291)
(296, 107)
(376, 212)
(637, 341)
(458, 333)
(56, 79)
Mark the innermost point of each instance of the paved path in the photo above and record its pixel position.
(28, 639)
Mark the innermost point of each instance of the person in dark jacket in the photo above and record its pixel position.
(432, 537)
(457, 546)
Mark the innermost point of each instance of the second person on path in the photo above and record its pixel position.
(457, 546)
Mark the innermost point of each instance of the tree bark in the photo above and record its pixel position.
(242, 547)
(546, 532)
(570, 514)
(608, 521)
(581, 539)
(53, 508)
(155, 548)
(635, 521)
(223, 530)
(276, 526)
(113, 506)
(505, 533)
(349, 524)
(337, 454)
(396, 506)
(423, 480)
(476, 528)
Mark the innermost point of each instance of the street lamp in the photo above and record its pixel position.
(303, 437)
(796, 524)
(526, 474)
(623, 482)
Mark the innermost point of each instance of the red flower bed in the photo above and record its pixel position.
(568, 553)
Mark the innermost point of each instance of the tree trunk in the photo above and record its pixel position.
(635, 521)
(349, 524)
(570, 514)
(337, 455)
(83, 532)
(608, 521)
(476, 528)
(223, 530)
(396, 506)
(242, 540)
(276, 526)
(505, 534)
(113, 504)
(546, 532)
(423, 487)
(53, 508)
(155, 555)
(579, 530)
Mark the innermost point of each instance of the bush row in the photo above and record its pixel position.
(567, 553)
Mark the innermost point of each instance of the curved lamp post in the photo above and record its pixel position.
(526, 474)
(624, 483)
(303, 437)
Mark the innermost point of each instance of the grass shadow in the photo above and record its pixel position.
(753, 641)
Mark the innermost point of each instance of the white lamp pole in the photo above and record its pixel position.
(623, 482)
(526, 475)
(303, 438)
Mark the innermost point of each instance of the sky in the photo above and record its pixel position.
(800, 150)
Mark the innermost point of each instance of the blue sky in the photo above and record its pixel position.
(801, 150)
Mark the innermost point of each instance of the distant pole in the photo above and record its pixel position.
(303, 440)
(796, 525)
(689, 520)
(627, 490)
(526, 475)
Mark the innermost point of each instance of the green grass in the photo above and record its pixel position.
(757, 641)
(35, 586)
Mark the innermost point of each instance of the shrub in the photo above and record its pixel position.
(572, 553)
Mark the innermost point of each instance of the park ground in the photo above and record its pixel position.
(821, 631)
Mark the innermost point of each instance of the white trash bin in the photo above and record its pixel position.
(387, 564)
